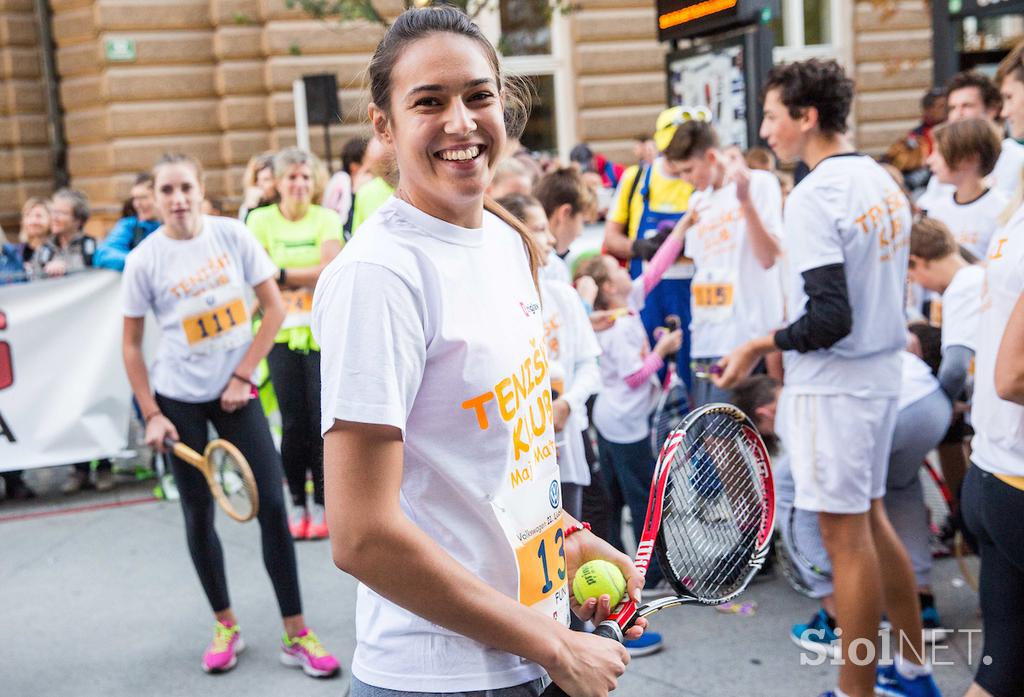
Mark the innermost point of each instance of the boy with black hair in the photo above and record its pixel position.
(847, 239)
(736, 293)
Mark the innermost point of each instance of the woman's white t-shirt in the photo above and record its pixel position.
(199, 290)
(733, 297)
(572, 356)
(437, 330)
(961, 305)
(972, 224)
(998, 444)
(917, 381)
(622, 413)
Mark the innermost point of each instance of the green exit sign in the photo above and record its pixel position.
(120, 50)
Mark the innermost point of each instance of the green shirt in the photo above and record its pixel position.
(369, 198)
(295, 245)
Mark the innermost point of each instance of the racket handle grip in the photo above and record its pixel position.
(610, 630)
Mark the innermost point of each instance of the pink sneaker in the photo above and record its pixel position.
(298, 523)
(306, 651)
(317, 529)
(222, 653)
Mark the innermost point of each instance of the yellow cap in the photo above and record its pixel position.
(670, 119)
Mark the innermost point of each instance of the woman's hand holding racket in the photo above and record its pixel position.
(587, 665)
(709, 521)
(159, 430)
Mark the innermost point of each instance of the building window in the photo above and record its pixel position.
(806, 29)
(535, 42)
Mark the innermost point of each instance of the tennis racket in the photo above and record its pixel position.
(228, 475)
(710, 515)
(941, 505)
(674, 401)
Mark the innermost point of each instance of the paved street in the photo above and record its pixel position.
(104, 602)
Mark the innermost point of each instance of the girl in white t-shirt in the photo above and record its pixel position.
(194, 274)
(629, 373)
(964, 155)
(993, 492)
(442, 484)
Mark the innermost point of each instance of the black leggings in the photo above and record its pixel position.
(992, 512)
(247, 428)
(296, 378)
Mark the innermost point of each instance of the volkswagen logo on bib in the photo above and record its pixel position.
(554, 493)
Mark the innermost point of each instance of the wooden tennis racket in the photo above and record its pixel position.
(228, 475)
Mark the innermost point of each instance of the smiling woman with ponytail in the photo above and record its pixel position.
(439, 461)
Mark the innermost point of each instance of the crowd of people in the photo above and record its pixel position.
(437, 363)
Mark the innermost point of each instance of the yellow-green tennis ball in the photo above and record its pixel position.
(597, 578)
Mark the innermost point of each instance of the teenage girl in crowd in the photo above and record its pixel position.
(965, 154)
(193, 274)
(993, 492)
(439, 445)
(301, 238)
(629, 373)
(258, 180)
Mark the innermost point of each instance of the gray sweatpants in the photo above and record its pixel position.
(530, 689)
(919, 428)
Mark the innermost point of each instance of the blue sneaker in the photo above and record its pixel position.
(890, 683)
(647, 644)
(817, 635)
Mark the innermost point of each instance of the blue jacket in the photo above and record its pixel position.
(12, 269)
(125, 237)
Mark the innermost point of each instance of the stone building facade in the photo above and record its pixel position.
(213, 77)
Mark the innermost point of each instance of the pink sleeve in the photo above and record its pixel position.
(652, 364)
(663, 258)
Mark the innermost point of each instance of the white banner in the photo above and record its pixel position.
(64, 395)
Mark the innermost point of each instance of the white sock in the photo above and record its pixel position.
(909, 670)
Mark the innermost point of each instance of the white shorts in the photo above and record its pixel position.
(838, 448)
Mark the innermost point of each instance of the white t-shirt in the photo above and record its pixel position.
(622, 413)
(199, 290)
(961, 306)
(1009, 167)
(733, 298)
(917, 381)
(437, 330)
(998, 444)
(555, 270)
(972, 224)
(1005, 176)
(849, 211)
(572, 355)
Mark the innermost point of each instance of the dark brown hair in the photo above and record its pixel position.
(691, 139)
(518, 204)
(419, 23)
(597, 269)
(990, 96)
(961, 141)
(562, 186)
(751, 394)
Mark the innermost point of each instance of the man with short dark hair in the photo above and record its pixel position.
(847, 236)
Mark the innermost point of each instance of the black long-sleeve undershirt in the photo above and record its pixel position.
(827, 317)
